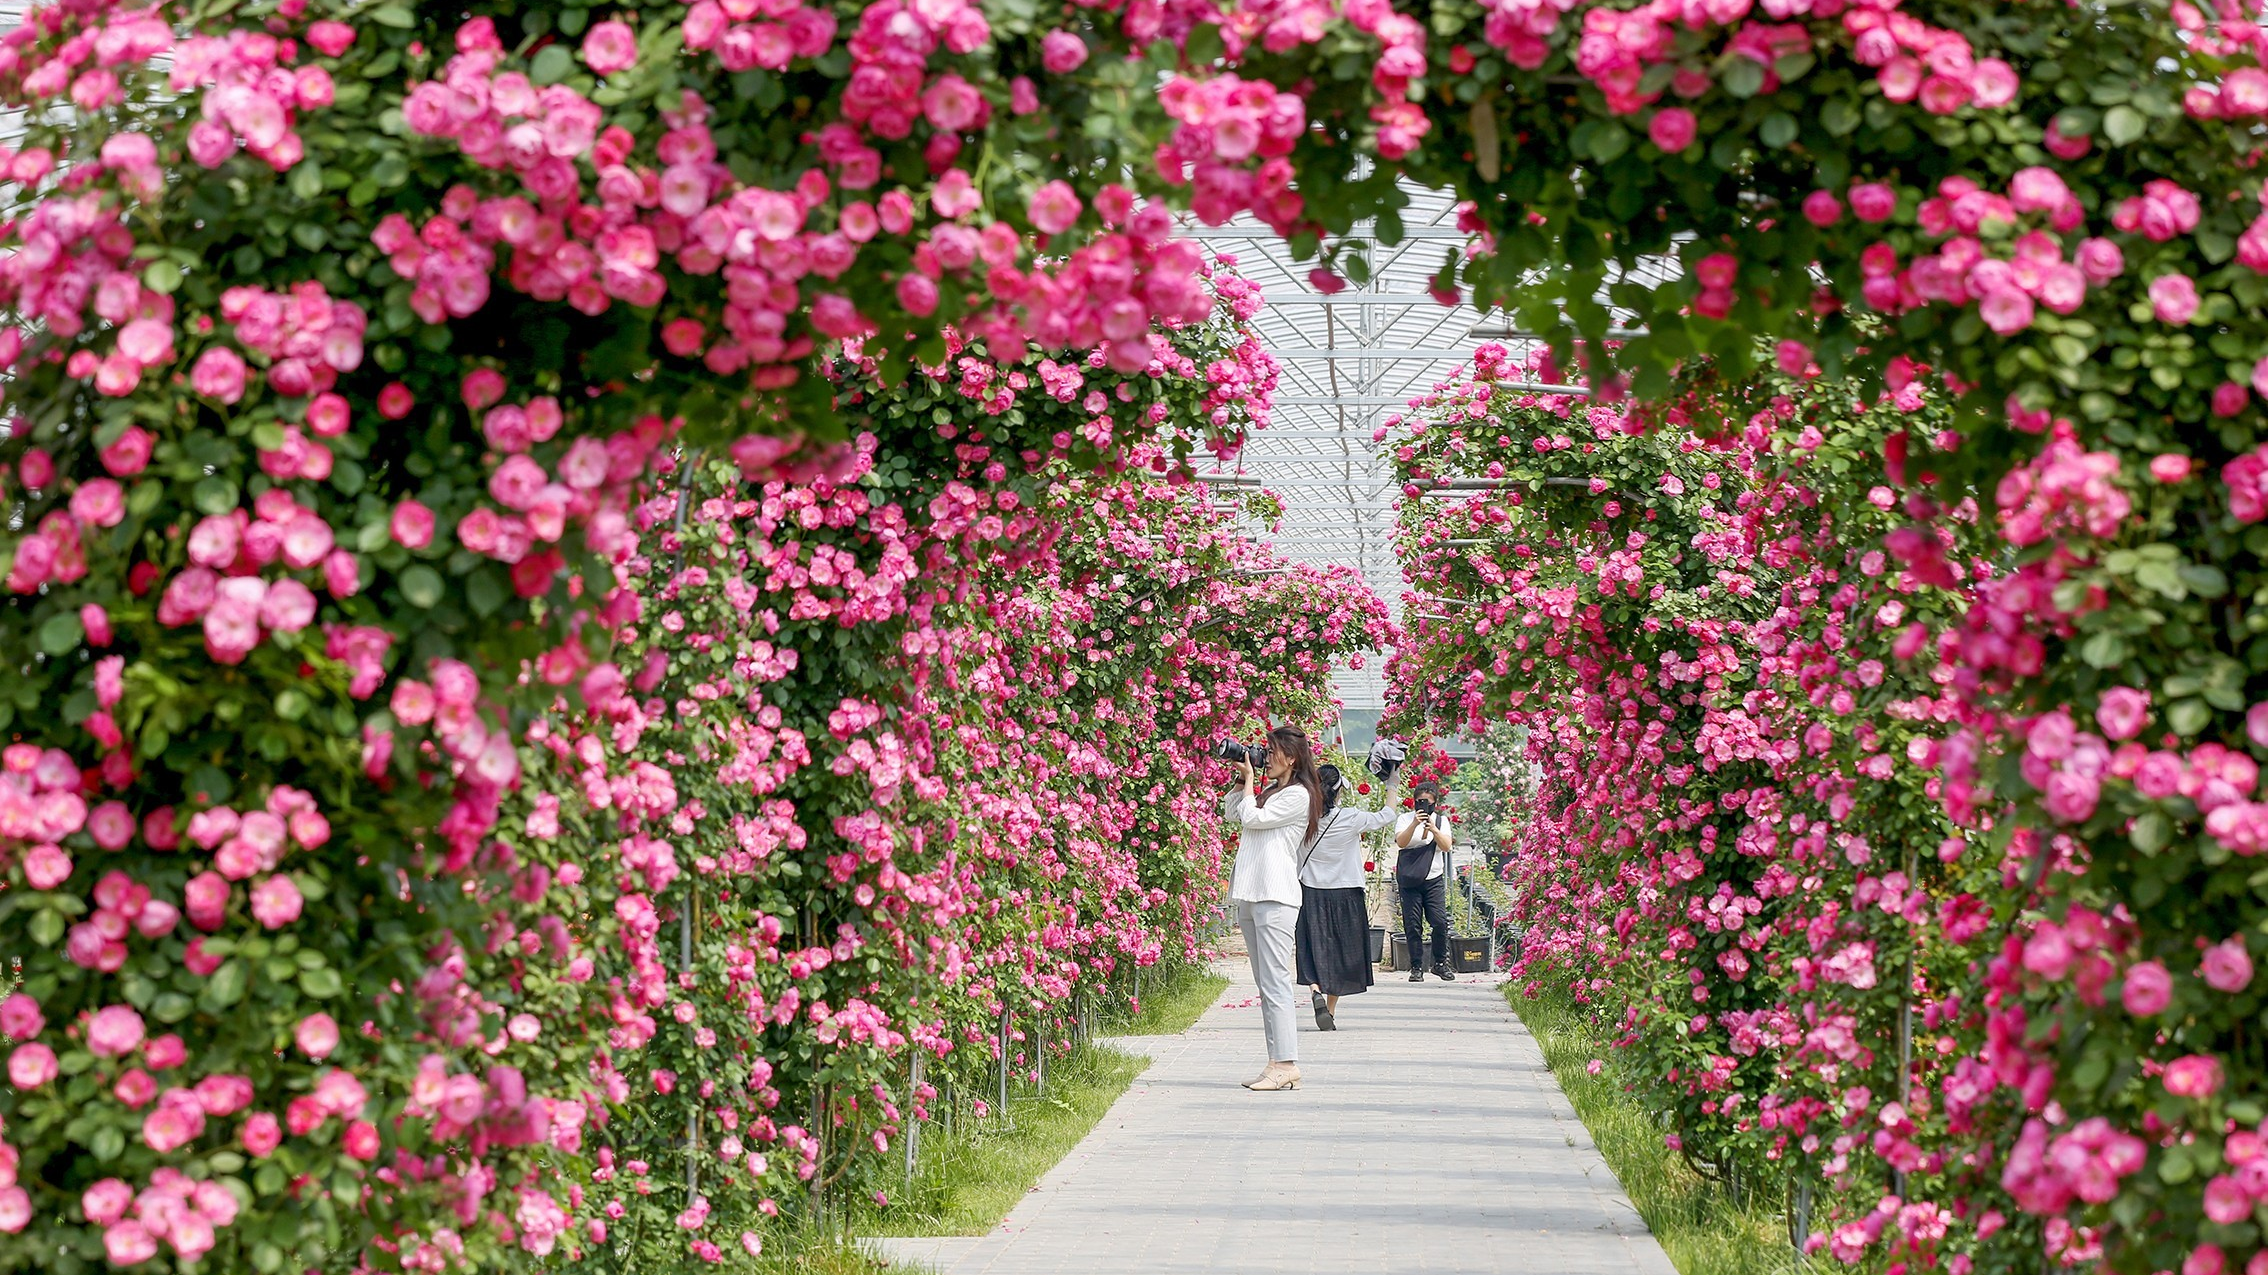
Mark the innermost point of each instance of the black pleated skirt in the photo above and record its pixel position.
(1334, 940)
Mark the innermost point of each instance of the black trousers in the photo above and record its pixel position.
(1421, 903)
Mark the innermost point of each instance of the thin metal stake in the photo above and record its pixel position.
(1003, 1060)
(1040, 1028)
(913, 1123)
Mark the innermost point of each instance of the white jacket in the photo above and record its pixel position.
(1267, 850)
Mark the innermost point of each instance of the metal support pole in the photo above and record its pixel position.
(1003, 1059)
(685, 965)
(913, 1122)
(1040, 1031)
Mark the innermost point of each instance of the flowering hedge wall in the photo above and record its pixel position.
(352, 345)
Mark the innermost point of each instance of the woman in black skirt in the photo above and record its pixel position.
(1334, 917)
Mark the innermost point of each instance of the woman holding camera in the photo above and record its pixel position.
(1334, 918)
(1277, 817)
(1421, 871)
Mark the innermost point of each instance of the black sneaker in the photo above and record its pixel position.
(1324, 1020)
(1417, 976)
(1442, 972)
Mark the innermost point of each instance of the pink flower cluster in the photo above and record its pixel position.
(252, 98)
(1226, 124)
(173, 1208)
(41, 800)
(2086, 1164)
(306, 337)
(1961, 270)
(238, 607)
(746, 35)
(2064, 488)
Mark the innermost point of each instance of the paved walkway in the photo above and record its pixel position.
(1428, 1137)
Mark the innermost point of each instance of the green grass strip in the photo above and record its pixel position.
(969, 1178)
(1702, 1228)
(1175, 1007)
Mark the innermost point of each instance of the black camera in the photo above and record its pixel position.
(1229, 750)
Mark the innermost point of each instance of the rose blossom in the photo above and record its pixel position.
(2193, 1076)
(2227, 966)
(2122, 712)
(2146, 990)
(318, 1035)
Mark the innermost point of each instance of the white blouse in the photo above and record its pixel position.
(1267, 849)
(1440, 824)
(1334, 861)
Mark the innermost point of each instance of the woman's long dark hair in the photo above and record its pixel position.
(1291, 741)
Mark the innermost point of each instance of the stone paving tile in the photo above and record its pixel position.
(1428, 1137)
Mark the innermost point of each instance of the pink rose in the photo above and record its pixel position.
(99, 502)
(46, 866)
(412, 525)
(1672, 129)
(15, 1209)
(2171, 467)
(1873, 201)
(2174, 298)
(31, 1066)
(174, 1123)
(2122, 712)
(219, 374)
(106, 1201)
(276, 902)
(223, 1095)
(262, 1134)
(128, 1244)
(318, 1035)
(609, 47)
(2227, 966)
(2193, 1076)
(1821, 208)
(20, 1018)
(361, 1140)
(114, 1030)
(1062, 52)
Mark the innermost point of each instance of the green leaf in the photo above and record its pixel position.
(1743, 77)
(1839, 116)
(2151, 831)
(421, 586)
(108, 1143)
(485, 589)
(213, 494)
(2187, 717)
(1204, 46)
(225, 987)
(552, 65)
(321, 984)
(307, 179)
(62, 632)
(2123, 124)
(1778, 129)
(46, 927)
(393, 15)
(162, 276)
(2162, 577)
(171, 1007)
(2103, 650)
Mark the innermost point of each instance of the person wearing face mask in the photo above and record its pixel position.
(1421, 873)
(1276, 817)
(1334, 916)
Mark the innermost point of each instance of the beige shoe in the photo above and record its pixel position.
(1277, 1076)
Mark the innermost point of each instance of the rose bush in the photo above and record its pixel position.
(349, 344)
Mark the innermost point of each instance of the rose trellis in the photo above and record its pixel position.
(352, 344)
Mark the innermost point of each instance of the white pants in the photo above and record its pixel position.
(1268, 937)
